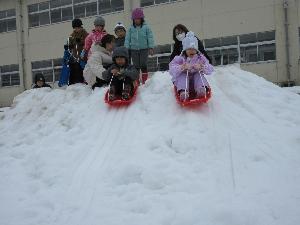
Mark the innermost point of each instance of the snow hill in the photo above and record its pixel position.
(68, 159)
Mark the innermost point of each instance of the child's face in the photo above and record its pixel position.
(120, 61)
(99, 28)
(77, 29)
(110, 46)
(40, 83)
(137, 22)
(191, 52)
(120, 33)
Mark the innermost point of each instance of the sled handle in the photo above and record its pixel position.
(200, 74)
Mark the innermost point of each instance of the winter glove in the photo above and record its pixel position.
(198, 67)
(82, 54)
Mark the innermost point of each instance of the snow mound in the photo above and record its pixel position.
(67, 158)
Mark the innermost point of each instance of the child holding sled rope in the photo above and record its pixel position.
(188, 69)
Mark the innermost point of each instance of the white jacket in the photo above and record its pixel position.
(94, 66)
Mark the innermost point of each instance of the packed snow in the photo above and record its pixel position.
(66, 158)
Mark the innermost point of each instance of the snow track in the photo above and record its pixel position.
(67, 158)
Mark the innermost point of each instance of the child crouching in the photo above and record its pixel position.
(187, 70)
(120, 75)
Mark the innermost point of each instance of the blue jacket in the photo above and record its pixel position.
(139, 37)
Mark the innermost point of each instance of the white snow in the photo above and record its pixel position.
(294, 89)
(66, 158)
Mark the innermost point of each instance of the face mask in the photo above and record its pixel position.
(180, 37)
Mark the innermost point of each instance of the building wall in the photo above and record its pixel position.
(207, 18)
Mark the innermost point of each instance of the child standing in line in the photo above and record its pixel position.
(140, 42)
(120, 31)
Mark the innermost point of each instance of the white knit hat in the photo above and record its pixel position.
(190, 41)
(119, 25)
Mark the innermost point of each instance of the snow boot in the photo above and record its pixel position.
(112, 93)
(183, 95)
(126, 92)
(201, 92)
(144, 77)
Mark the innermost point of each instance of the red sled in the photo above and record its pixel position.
(119, 101)
(192, 101)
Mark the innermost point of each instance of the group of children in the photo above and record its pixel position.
(100, 59)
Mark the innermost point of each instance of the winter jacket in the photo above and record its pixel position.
(176, 71)
(96, 63)
(177, 49)
(40, 77)
(94, 37)
(139, 37)
(76, 42)
(119, 42)
(126, 71)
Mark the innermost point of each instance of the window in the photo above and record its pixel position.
(9, 75)
(107, 6)
(38, 14)
(154, 2)
(253, 47)
(8, 20)
(51, 69)
(56, 11)
(266, 52)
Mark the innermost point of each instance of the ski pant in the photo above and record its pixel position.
(117, 84)
(140, 59)
(76, 73)
(194, 82)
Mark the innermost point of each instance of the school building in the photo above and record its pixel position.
(261, 35)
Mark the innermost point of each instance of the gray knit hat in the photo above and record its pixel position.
(99, 21)
(190, 41)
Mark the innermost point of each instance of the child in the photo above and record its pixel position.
(120, 31)
(72, 50)
(39, 81)
(121, 75)
(189, 67)
(94, 37)
(139, 40)
(100, 59)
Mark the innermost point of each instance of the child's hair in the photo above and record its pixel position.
(107, 39)
(142, 22)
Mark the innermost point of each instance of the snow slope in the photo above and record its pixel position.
(68, 159)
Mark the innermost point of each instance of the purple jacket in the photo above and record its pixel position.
(175, 66)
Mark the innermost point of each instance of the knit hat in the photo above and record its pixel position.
(76, 23)
(190, 41)
(137, 13)
(39, 77)
(120, 52)
(118, 26)
(99, 21)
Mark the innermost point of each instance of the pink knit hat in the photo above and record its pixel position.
(137, 13)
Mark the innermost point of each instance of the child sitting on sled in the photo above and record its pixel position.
(187, 70)
(121, 75)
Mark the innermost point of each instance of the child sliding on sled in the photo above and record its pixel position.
(187, 70)
(121, 75)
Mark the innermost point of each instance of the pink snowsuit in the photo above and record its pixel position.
(94, 37)
(179, 76)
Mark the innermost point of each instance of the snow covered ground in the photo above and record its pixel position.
(68, 159)
(294, 89)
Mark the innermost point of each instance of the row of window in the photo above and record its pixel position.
(9, 75)
(7, 20)
(253, 47)
(63, 10)
(154, 2)
(51, 69)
